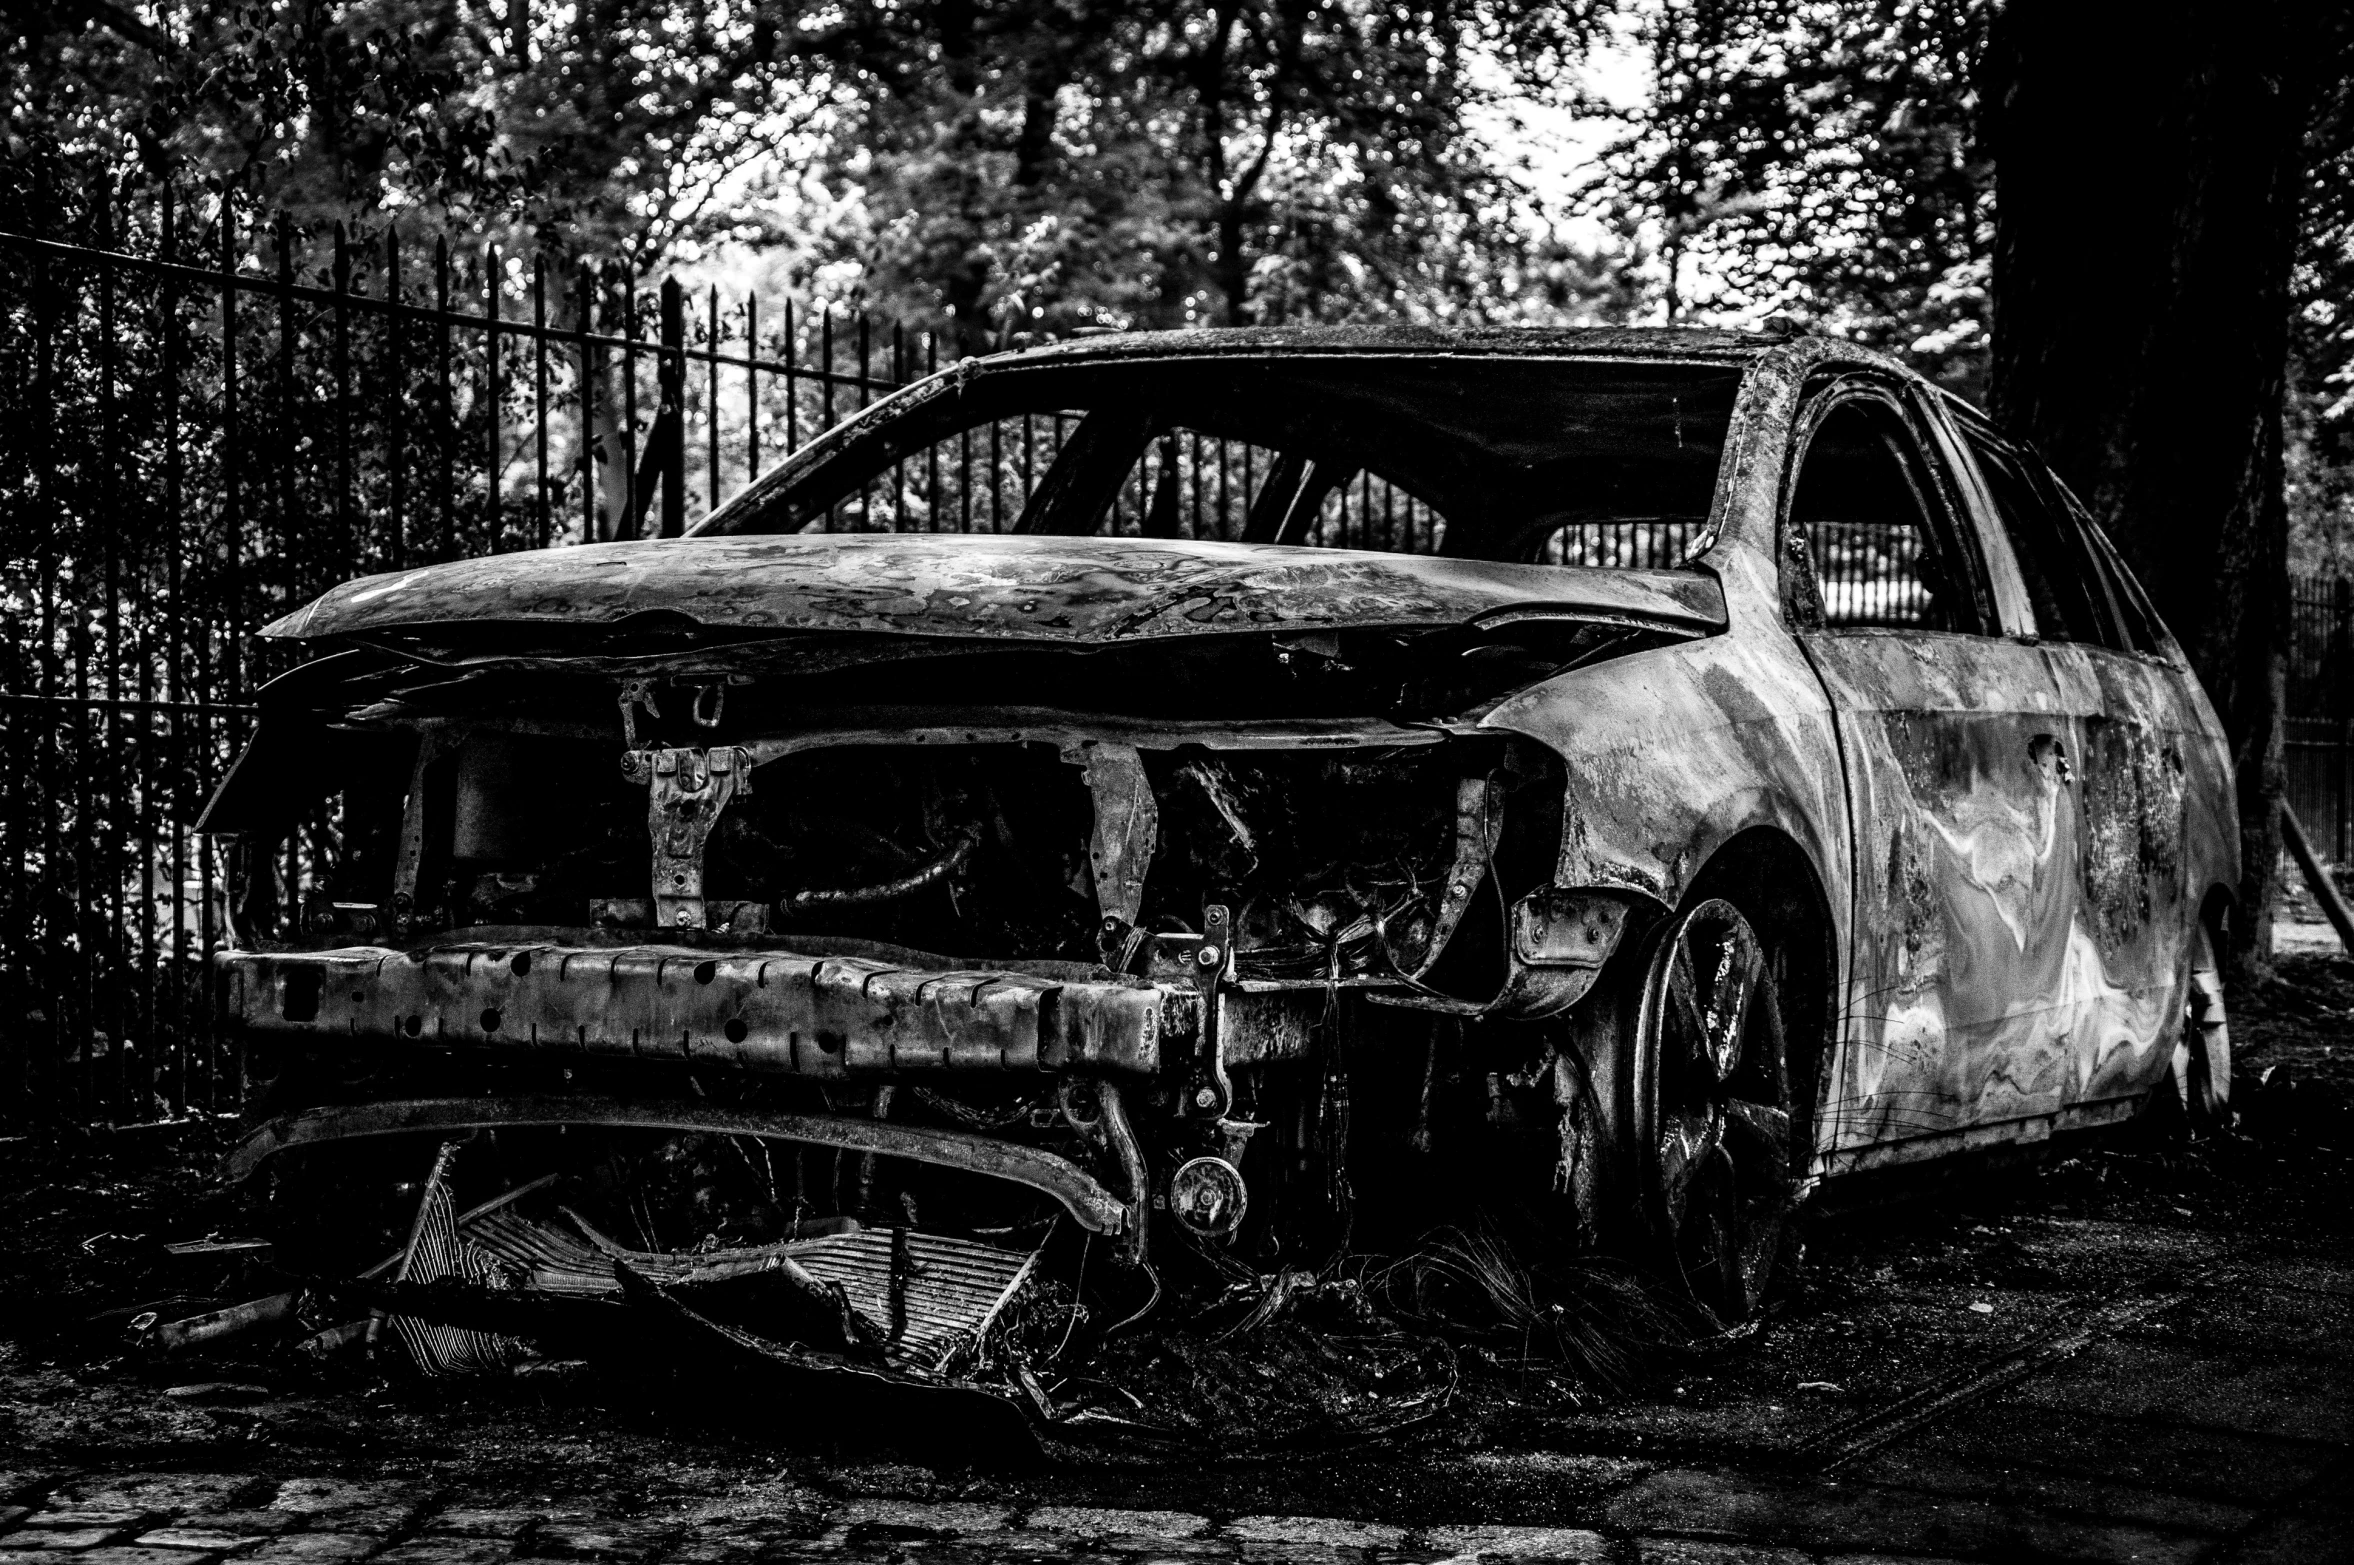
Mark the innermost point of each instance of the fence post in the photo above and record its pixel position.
(583, 311)
(495, 457)
(2340, 665)
(348, 553)
(671, 421)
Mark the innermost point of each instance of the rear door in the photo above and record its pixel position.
(1953, 738)
(2149, 767)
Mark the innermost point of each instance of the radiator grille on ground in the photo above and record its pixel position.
(928, 1293)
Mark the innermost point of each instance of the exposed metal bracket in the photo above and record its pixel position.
(635, 693)
(1206, 961)
(687, 791)
(432, 745)
(1127, 825)
(1479, 823)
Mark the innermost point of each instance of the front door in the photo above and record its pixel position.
(1954, 741)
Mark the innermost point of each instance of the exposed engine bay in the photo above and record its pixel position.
(809, 960)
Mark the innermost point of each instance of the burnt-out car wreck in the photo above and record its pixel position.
(1186, 806)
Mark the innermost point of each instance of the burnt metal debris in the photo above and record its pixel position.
(911, 955)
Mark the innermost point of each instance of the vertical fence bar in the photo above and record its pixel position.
(866, 491)
(288, 441)
(588, 408)
(494, 413)
(78, 791)
(445, 377)
(115, 988)
(711, 409)
(396, 399)
(232, 471)
(347, 536)
(752, 382)
(670, 427)
(539, 397)
(49, 893)
(629, 409)
(898, 467)
(175, 737)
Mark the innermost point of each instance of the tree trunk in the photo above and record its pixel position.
(2147, 163)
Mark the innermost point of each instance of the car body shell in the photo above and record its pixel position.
(2012, 840)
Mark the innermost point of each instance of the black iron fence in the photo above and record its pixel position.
(219, 420)
(2319, 758)
(206, 423)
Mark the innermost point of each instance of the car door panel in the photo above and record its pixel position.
(1970, 972)
(2135, 756)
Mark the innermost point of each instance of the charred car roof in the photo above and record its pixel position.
(1679, 342)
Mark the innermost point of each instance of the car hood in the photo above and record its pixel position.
(1069, 590)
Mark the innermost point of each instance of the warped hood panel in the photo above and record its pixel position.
(1042, 589)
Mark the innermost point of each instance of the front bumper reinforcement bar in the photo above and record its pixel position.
(822, 1016)
(1089, 1203)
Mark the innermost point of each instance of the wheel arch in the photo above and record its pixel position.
(1773, 879)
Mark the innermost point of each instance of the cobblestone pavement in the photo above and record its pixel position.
(2206, 1423)
(1694, 1517)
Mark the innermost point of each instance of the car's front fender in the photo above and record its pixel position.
(1672, 752)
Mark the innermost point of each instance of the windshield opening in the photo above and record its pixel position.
(1576, 462)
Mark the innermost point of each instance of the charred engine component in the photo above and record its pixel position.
(1208, 1198)
(688, 790)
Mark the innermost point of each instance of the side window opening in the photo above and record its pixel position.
(2081, 591)
(2069, 596)
(2138, 627)
(1884, 552)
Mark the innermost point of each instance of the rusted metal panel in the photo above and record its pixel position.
(1127, 827)
(1089, 1203)
(767, 1011)
(1070, 590)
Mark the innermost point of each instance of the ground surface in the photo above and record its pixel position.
(2137, 1350)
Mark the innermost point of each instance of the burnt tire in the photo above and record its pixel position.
(1714, 1127)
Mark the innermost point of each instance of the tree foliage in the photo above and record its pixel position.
(1064, 163)
(1035, 164)
(621, 129)
(1820, 161)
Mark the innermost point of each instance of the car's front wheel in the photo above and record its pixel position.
(1714, 1138)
